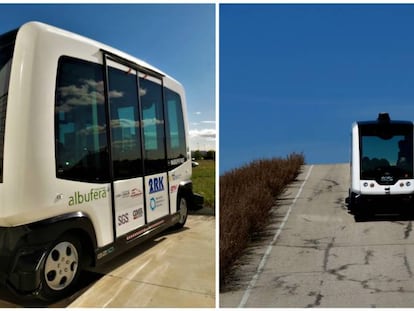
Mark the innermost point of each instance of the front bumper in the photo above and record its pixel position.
(384, 200)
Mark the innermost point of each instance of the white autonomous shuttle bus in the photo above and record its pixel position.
(381, 163)
(94, 156)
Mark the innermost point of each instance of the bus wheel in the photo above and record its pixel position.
(182, 210)
(61, 268)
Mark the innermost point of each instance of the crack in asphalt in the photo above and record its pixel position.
(318, 191)
(326, 255)
(335, 272)
(408, 230)
(318, 299)
(333, 183)
(407, 266)
(365, 284)
(372, 284)
(282, 284)
(368, 255)
(318, 295)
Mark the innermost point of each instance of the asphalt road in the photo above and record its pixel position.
(314, 254)
(175, 269)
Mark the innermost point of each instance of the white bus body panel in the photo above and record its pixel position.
(157, 196)
(184, 171)
(355, 163)
(371, 187)
(129, 205)
(175, 177)
(30, 190)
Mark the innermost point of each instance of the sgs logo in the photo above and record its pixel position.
(123, 219)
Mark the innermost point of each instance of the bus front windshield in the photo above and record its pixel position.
(6, 53)
(387, 158)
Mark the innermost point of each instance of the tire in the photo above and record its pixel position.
(360, 216)
(61, 268)
(350, 201)
(182, 205)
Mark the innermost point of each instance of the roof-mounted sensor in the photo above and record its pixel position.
(383, 117)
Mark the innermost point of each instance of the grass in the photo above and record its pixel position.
(246, 196)
(204, 181)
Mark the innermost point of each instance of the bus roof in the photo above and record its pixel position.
(384, 118)
(42, 27)
(396, 122)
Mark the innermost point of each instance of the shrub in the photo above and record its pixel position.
(246, 196)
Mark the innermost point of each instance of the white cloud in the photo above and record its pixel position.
(205, 133)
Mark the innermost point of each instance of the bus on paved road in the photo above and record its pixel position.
(381, 163)
(94, 156)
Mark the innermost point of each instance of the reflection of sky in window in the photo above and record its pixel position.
(172, 113)
(375, 147)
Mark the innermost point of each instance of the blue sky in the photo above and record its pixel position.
(178, 39)
(293, 77)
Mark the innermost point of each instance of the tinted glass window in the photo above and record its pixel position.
(387, 153)
(153, 126)
(80, 127)
(176, 144)
(6, 52)
(125, 126)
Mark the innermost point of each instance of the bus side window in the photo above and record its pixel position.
(125, 125)
(176, 143)
(80, 126)
(153, 126)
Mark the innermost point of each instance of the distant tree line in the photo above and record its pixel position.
(203, 155)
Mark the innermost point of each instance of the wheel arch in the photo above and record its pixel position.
(65, 222)
(33, 240)
(195, 201)
(78, 224)
(185, 189)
